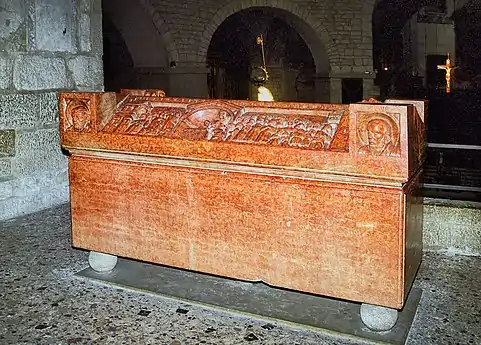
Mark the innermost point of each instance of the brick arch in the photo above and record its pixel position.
(316, 36)
(171, 47)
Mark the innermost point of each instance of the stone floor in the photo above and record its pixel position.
(42, 302)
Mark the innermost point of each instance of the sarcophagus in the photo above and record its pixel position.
(319, 198)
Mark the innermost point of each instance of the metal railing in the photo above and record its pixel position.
(472, 175)
(454, 146)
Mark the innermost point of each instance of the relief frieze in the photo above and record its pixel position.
(223, 121)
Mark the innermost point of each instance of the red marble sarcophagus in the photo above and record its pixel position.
(319, 198)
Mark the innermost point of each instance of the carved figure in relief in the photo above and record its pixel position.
(270, 130)
(370, 100)
(380, 136)
(246, 124)
(157, 93)
(154, 93)
(77, 115)
(224, 121)
(140, 117)
(276, 130)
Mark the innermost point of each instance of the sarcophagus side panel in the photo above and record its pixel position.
(311, 236)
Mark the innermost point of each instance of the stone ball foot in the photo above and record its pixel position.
(101, 262)
(378, 318)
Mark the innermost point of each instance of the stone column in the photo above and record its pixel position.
(289, 84)
(335, 88)
(150, 78)
(188, 82)
(369, 89)
(322, 88)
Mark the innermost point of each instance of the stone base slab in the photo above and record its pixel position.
(332, 316)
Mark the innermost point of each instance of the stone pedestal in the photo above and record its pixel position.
(378, 318)
(188, 82)
(101, 262)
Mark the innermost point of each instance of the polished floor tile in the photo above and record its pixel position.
(44, 302)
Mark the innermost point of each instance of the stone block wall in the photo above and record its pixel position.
(343, 27)
(338, 32)
(452, 226)
(45, 46)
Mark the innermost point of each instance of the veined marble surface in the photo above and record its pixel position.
(42, 302)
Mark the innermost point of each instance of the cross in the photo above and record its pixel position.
(448, 68)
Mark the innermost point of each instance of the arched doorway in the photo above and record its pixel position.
(233, 52)
(296, 59)
(228, 59)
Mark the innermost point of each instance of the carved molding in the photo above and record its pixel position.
(378, 134)
(147, 93)
(418, 137)
(223, 121)
(78, 116)
(370, 100)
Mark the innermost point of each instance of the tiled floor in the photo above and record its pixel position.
(42, 302)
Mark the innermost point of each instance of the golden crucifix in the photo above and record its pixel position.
(448, 68)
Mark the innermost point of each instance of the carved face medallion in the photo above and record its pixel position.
(77, 115)
(80, 118)
(378, 134)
